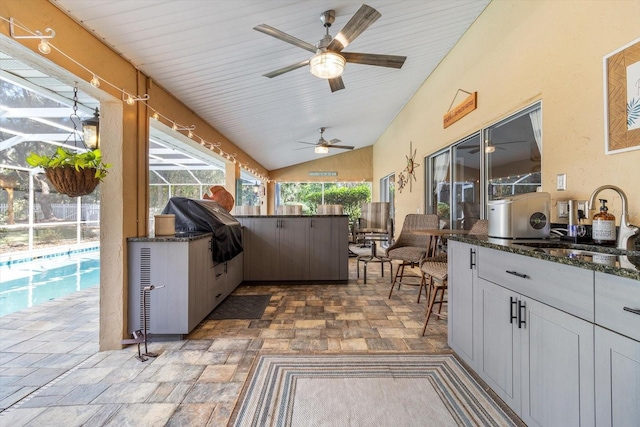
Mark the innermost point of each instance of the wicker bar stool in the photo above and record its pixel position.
(436, 272)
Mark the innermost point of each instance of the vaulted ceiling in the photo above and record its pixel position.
(206, 53)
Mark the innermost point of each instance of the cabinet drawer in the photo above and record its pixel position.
(567, 288)
(613, 294)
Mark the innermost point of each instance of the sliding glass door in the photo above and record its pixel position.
(499, 161)
(465, 204)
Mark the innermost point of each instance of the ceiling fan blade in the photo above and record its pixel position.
(308, 143)
(336, 84)
(334, 141)
(509, 142)
(274, 32)
(392, 61)
(344, 147)
(360, 21)
(286, 69)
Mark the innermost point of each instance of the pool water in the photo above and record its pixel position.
(28, 284)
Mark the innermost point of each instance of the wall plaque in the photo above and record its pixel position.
(461, 110)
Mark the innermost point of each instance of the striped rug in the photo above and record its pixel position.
(365, 390)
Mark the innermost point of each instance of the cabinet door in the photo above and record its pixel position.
(617, 379)
(498, 353)
(462, 277)
(325, 249)
(293, 260)
(234, 272)
(261, 248)
(557, 367)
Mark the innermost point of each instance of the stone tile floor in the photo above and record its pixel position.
(52, 374)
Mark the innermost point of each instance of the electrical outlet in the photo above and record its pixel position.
(561, 183)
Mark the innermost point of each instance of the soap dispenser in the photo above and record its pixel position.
(604, 226)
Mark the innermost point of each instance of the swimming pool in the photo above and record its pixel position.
(31, 283)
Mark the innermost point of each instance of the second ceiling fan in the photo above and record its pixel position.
(328, 61)
(322, 146)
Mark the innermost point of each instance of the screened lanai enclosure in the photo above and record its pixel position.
(36, 116)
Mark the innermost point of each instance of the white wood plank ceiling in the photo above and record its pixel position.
(207, 54)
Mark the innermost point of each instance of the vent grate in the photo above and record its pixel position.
(538, 221)
(145, 280)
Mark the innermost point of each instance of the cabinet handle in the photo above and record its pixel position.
(472, 260)
(219, 274)
(218, 296)
(225, 267)
(632, 310)
(515, 273)
(512, 316)
(522, 315)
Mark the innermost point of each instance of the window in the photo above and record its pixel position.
(513, 149)
(309, 195)
(505, 161)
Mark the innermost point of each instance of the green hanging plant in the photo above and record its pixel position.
(63, 158)
(73, 174)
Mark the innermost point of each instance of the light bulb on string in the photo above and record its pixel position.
(95, 81)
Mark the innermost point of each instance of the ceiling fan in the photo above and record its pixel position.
(329, 60)
(490, 148)
(322, 146)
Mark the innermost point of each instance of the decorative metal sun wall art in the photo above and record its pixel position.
(411, 166)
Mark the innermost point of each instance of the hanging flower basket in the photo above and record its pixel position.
(71, 181)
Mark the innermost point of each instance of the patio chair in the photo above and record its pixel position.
(374, 221)
(410, 248)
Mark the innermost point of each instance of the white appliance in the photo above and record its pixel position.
(523, 216)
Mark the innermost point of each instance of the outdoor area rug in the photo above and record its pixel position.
(240, 307)
(365, 390)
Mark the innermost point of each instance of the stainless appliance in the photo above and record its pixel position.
(523, 216)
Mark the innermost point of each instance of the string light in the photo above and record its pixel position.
(45, 47)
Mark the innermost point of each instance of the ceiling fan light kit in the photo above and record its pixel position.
(328, 61)
(320, 149)
(327, 65)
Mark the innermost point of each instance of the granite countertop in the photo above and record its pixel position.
(185, 236)
(607, 260)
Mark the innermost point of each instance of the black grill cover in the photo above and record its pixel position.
(208, 216)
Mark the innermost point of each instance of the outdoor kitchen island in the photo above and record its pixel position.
(295, 249)
(553, 329)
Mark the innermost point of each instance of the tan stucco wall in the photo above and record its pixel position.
(518, 52)
(124, 135)
(352, 166)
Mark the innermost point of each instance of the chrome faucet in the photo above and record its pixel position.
(628, 232)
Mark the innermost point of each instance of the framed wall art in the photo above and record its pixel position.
(622, 99)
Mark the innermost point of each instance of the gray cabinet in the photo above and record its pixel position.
(462, 285)
(189, 284)
(617, 381)
(332, 233)
(526, 327)
(295, 248)
(261, 242)
(617, 350)
(538, 359)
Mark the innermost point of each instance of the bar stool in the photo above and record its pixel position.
(436, 272)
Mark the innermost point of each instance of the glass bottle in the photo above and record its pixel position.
(604, 226)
